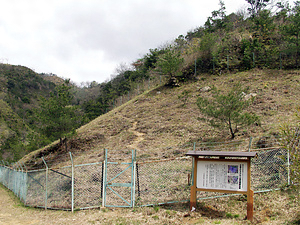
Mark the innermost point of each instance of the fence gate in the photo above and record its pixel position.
(119, 182)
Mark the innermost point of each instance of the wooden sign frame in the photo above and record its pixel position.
(227, 157)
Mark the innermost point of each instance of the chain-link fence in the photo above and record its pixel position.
(144, 183)
(270, 170)
(88, 185)
(163, 181)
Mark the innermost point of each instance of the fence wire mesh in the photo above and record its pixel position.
(163, 181)
(269, 170)
(119, 180)
(88, 185)
(36, 191)
(15, 181)
(59, 188)
(155, 182)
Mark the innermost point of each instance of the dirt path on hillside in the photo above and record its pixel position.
(139, 137)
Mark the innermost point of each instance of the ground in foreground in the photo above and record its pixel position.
(278, 207)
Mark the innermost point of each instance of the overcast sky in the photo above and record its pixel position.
(86, 40)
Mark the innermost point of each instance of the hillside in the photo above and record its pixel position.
(151, 106)
(11, 128)
(20, 91)
(159, 125)
(246, 47)
(22, 94)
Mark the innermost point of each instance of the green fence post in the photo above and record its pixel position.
(253, 58)
(24, 166)
(280, 60)
(133, 170)
(228, 62)
(72, 181)
(250, 143)
(46, 188)
(20, 166)
(104, 178)
(288, 166)
(195, 67)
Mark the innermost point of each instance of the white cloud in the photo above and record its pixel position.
(86, 40)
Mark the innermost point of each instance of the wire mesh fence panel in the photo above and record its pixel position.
(118, 196)
(59, 188)
(269, 170)
(10, 180)
(163, 181)
(13, 180)
(156, 182)
(118, 190)
(18, 184)
(23, 186)
(88, 185)
(36, 190)
(4, 176)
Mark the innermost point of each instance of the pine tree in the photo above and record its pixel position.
(56, 116)
(169, 65)
(227, 110)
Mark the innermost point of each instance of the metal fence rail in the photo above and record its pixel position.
(156, 182)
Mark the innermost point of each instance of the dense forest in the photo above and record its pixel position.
(37, 109)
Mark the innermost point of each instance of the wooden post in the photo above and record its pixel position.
(250, 205)
(193, 200)
(250, 193)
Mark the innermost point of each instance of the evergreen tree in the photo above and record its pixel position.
(169, 65)
(292, 31)
(56, 116)
(227, 110)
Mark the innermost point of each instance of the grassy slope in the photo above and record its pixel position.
(157, 123)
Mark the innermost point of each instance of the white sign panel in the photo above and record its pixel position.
(219, 175)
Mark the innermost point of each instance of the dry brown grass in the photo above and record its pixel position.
(157, 123)
(278, 207)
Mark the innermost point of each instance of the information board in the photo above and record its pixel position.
(222, 175)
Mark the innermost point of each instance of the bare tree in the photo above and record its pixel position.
(256, 6)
